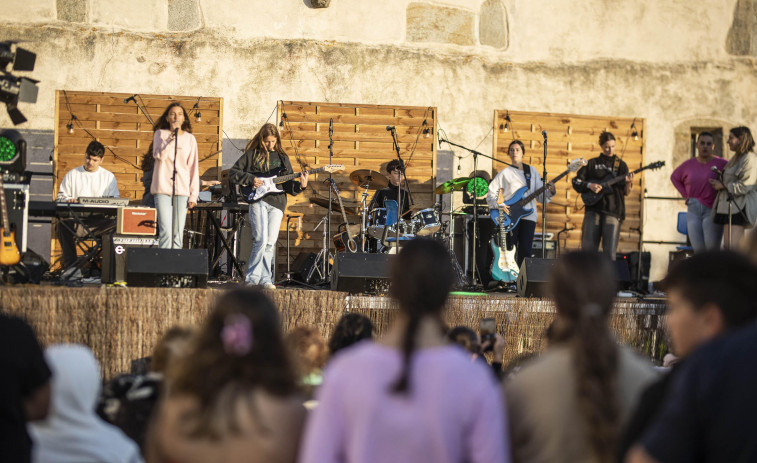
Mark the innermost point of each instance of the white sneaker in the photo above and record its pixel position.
(270, 286)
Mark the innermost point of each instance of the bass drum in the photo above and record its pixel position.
(426, 222)
(377, 221)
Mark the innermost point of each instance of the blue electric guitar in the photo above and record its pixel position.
(517, 201)
(504, 268)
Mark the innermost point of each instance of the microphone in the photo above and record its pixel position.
(544, 134)
(131, 98)
(389, 128)
(715, 169)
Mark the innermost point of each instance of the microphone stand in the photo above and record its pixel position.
(400, 203)
(173, 185)
(141, 109)
(476, 154)
(326, 244)
(544, 201)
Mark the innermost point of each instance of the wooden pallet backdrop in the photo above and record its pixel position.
(361, 141)
(127, 134)
(571, 136)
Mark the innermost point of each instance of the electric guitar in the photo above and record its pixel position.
(272, 179)
(347, 235)
(504, 268)
(517, 201)
(9, 254)
(590, 198)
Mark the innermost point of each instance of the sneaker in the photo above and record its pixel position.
(270, 286)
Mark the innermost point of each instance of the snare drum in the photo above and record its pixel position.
(426, 222)
(377, 221)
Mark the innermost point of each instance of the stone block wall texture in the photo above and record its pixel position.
(668, 62)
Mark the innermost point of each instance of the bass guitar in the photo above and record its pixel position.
(590, 198)
(504, 268)
(271, 180)
(347, 236)
(9, 254)
(517, 201)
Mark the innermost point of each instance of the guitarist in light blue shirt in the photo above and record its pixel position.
(510, 180)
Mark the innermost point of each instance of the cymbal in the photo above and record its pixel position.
(370, 179)
(349, 210)
(449, 186)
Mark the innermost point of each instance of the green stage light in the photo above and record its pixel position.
(477, 187)
(7, 150)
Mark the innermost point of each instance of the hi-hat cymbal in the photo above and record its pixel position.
(349, 210)
(366, 178)
(449, 186)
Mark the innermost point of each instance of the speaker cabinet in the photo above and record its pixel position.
(114, 254)
(361, 273)
(303, 268)
(173, 268)
(533, 277)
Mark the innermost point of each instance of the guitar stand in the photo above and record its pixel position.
(288, 280)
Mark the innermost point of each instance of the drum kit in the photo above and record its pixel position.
(373, 227)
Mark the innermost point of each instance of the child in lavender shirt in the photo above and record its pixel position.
(410, 397)
(691, 179)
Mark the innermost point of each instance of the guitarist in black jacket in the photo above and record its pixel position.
(602, 220)
(262, 156)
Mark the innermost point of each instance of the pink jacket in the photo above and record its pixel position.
(187, 165)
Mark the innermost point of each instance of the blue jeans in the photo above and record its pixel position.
(703, 233)
(598, 227)
(165, 220)
(265, 221)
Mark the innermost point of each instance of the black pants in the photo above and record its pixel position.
(522, 236)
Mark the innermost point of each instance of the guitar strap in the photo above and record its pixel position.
(527, 174)
(615, 166)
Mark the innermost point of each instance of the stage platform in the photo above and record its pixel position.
(123, 324)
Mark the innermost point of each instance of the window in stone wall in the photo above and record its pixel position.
(717, 133)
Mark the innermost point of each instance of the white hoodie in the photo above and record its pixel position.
(72, 431)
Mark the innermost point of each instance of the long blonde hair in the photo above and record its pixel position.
(260, 156)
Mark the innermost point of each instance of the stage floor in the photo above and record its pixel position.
(123, 324)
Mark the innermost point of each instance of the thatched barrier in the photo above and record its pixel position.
(123, 324)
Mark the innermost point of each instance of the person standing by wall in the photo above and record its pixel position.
(740, 180)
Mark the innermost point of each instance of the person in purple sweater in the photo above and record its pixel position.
(691, 179)
(412, 396)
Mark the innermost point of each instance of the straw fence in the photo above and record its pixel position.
(123, 324)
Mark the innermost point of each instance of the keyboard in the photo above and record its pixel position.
(56, 209)
(104, 201)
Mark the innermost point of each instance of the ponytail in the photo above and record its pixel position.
(402, 383)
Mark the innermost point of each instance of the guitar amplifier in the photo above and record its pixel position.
(114, 254)
(137, 221)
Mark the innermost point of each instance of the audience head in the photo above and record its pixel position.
(583, 286)
(163, 122)
(466, 338)
(75, 385)
(351, 328)
(740, 140)
(708, 294)
(422, 276)
(238, 348)
(308, 349)
(170, 348)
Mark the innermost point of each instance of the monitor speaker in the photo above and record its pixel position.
(174, 268)
(361, 273)
(533, 277)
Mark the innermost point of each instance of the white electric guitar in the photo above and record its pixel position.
(272, 180)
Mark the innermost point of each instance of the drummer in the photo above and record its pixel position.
(391, 192)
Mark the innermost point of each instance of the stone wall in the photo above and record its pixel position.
(675, 63)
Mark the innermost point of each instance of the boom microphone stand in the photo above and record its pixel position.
(327, 227)
(544, 201)
(476, 154)
(396, 146)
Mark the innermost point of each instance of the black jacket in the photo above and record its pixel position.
(244, 172)
(603, 168)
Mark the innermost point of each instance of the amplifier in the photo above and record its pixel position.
(114, 254)
(361, 273)
(136, 221)
(173, 268)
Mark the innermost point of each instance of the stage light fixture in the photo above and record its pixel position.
(12, 152)
(508, 121)
(16, 89)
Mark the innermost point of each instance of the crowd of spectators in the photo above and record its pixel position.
(236, 389)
